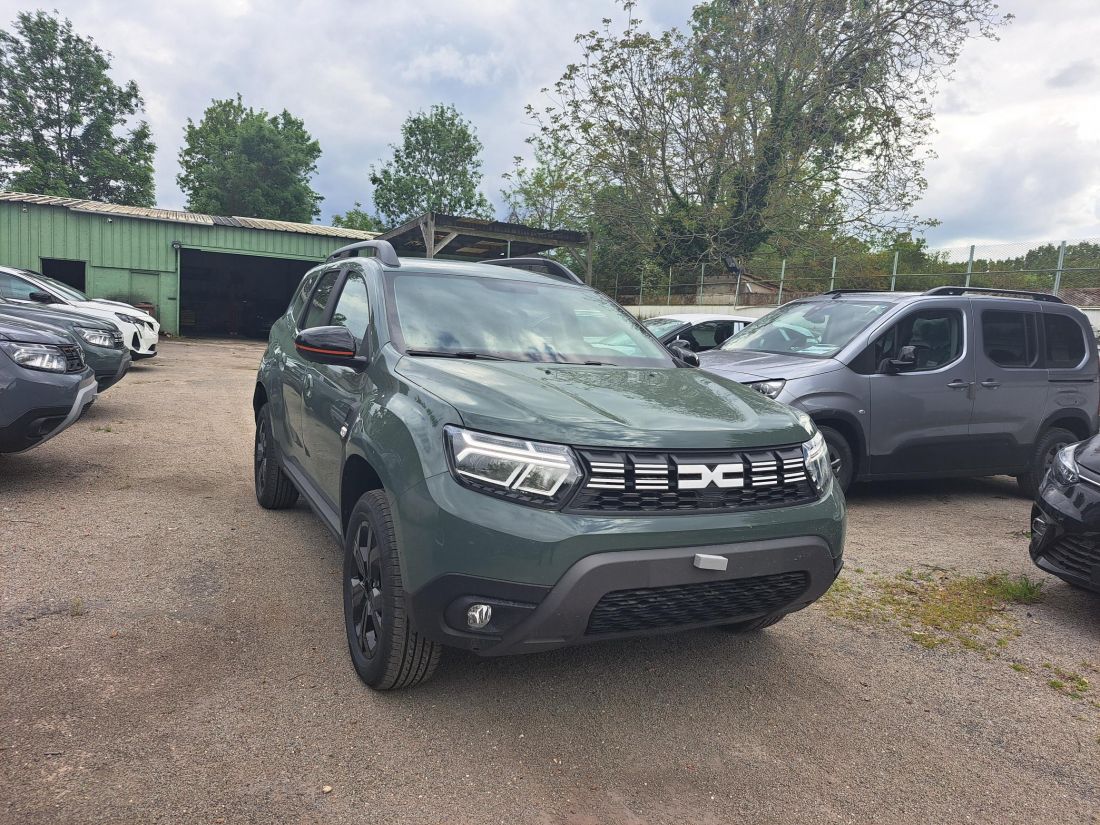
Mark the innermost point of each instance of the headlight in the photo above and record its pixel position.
(768, 388)
(95, 337)
(129, 319)
(816, 454)
(529, 472)
(1063, 470)
(36, 356)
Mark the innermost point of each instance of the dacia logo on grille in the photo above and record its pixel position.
(701, 476)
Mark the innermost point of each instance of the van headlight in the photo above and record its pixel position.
(1063, 469)
(528, 472)
(816, 454)
(95, 337)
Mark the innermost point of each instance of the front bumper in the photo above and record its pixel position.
(49, 417)
(1069, 543)
(141, 339)
(556, 579)
(109, 364)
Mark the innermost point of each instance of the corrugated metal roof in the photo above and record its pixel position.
(177, 216)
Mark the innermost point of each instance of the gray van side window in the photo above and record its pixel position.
(937, 335)
(1009, 339)
(1065, 343)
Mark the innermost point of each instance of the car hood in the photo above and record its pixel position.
(1088, 454)
(606, 406)
(31, 332)
(103, 305)
(63, 318)
(746, 365)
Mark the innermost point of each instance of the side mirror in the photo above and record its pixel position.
(42, 298)
(330, 345)
(906, 360)
(681, 352)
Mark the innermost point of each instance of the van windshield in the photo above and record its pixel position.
(467, 316)
(814, 329)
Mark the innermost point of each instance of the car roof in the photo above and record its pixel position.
(702, 317)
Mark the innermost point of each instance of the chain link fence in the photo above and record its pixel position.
(1068, 269)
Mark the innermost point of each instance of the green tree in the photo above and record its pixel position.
(764, 117)
(437, 168)
(240, 161)
(357, 218)
(66, 128)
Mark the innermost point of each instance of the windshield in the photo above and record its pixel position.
(815, 329)
(470, 316)
(660, 326)
(64, 289)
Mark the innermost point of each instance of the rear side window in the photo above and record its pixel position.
(315, 314)
(1009, 339)
(352, 310)
(1065, 342)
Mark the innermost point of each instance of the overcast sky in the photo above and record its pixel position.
(1019, 126)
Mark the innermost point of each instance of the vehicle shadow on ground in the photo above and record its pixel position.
(875, 491)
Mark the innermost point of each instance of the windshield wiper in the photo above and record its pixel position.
(434, 353)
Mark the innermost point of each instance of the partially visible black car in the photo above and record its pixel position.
(1065, 519)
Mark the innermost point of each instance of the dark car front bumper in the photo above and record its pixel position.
(109, 364)
(620, 594)
(1065, 531)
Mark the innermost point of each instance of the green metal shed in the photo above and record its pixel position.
(206, 273)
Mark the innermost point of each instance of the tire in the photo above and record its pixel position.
(1049, 443)
(841, 456)
(274, 491)
(753, 624)
(387, 653)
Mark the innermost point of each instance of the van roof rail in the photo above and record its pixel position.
(1008, 293)
(836, 293)
(540, 266)
(383, 251)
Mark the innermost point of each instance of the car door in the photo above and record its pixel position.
(920, 418)
(298, 374)
(1011, 386)
(337, 392)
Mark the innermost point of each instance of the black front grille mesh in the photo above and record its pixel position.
(1077, 555)
(74, 358)
(625, 611)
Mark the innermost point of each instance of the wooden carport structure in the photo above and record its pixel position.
(435, 234)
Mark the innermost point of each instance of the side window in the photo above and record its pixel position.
(12, 287)
(1009, 339)
(352, 310)
(702, 335)
(936, 334)
(1065, 342)
(315, 314)
(298, 302)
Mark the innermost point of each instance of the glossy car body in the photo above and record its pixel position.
(383, 421)
(996, 373)
(140, 330)
(37, 404)
(699, 331)
(1065, 519)
(104, 349)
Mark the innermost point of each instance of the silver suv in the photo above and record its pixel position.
(949, 382)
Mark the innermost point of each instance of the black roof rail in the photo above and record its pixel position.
(838, 292)
(539, 265)
(383, 251)
(1008, 293)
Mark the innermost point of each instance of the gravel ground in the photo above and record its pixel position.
(173, 653)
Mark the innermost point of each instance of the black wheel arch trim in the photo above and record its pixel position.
(823, 417)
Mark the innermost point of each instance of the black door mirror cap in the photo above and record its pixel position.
(331, 345)
(42, 298)
(683, 355)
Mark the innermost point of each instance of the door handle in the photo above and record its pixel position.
(990, 384)
(959, 384)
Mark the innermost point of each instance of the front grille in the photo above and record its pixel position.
(640, 482)
(74, 358)
(1077, 555)
(116, 339)
(624, 611)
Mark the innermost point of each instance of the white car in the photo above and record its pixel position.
(140, 330)
(700, 331)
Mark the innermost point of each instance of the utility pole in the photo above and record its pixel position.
(970, 265)
(894, 274)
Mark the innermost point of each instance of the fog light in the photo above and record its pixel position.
(478, 615)
(1038, 527)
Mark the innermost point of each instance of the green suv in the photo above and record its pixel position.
(512, 464)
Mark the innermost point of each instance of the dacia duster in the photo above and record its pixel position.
(514, 464)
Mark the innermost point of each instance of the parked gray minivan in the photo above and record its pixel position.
(948, 382)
